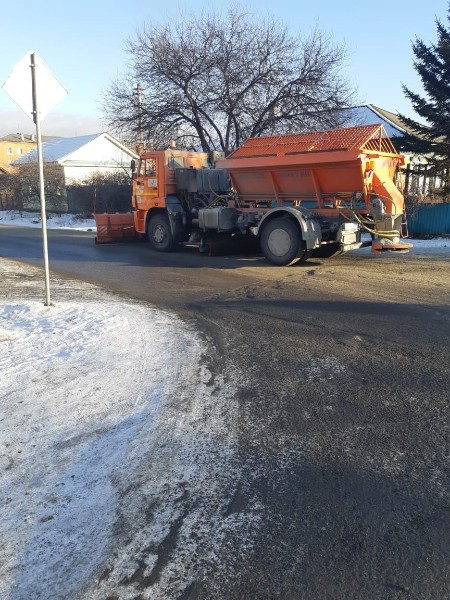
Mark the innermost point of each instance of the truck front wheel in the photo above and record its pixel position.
(281, 242)
(159, 233)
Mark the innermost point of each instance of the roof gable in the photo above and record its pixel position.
(56, 150)
(61, 150)
(368, 114)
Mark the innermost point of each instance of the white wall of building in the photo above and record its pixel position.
(81, 174)
(99, 155)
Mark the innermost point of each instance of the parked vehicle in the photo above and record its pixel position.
(297, 194)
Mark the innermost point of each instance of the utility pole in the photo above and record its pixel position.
(141, 144)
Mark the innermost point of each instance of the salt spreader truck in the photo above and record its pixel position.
(298, 195)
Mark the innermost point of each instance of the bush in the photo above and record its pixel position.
(19, 189)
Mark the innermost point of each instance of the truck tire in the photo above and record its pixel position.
(159, 233)
(281, 242)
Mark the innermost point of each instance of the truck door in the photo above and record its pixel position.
(149, 184)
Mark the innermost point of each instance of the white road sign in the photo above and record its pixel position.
(19, 87)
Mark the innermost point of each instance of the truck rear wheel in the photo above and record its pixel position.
(159, 233)
(281, 242)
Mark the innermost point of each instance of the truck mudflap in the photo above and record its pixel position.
(117, 227)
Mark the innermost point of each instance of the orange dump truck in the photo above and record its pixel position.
(297, 194)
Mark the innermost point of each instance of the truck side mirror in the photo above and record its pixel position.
(133, 165)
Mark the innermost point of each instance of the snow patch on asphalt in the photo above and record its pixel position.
(117, 470)
(324, 368)
(54, 221)
(439, 245)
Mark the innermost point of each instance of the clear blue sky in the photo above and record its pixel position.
(83, 44)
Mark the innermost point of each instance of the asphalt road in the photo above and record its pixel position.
(340, 421)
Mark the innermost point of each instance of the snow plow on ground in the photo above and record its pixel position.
(115, 227)
(296, 195)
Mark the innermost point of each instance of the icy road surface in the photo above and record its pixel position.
(115, 467)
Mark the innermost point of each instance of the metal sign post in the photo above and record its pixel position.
(37, 122)
(36, 97)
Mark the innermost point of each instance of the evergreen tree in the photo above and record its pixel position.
(432, 63)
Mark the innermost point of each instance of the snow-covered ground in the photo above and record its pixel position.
(420, 246)
(75, 392)
(54, 221)
(113, 444)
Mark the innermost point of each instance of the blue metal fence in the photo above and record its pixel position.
(433, 219)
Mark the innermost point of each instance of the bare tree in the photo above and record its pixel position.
(212, 81)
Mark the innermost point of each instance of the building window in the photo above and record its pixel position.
(19, 151)
(9, 151)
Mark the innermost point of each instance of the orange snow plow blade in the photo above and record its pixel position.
(115, 227)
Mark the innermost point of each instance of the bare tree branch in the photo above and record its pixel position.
(211, 80)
